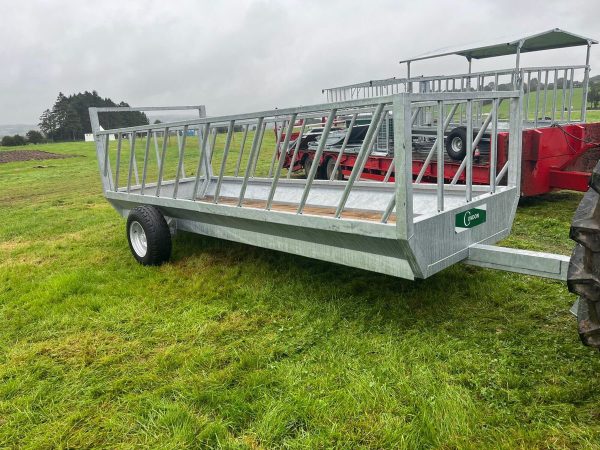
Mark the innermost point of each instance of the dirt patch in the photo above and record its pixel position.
(29, 155)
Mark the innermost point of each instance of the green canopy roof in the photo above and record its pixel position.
(547, 40)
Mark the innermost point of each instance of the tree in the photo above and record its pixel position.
(12, 141)
(594, 94)
(19, 140)
(69, 117)
(48, 124)
(34, 137)
(7, 141)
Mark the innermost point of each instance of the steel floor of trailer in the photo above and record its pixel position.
(367, 200)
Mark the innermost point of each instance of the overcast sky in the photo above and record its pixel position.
(236, 56)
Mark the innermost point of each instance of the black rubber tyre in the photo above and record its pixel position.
(147, 230)
(456, 146)
(329, 170)
(307, 164)
(583, 277)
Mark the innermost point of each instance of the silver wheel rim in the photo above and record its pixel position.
(457, 144)
(137, 236)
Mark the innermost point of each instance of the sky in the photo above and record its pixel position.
(247, 55)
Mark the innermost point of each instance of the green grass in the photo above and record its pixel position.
(529, 106)
(230, 346)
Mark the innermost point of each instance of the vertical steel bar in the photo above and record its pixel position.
(131, 160)
(545, 95)
(211, 149)
(435, 145)
(564, 96)
(338, 160)
(162, 161)
(502, 172)
(586, 82)
(202, 148)
(239, 160)
(480, 89)
(183, 154)
(155, 136)
(478, 137)
(469, 156)
(537, 98)
(253, 150)
(389, 209)
(514, 145)
(440, 157)
(286, 143)
(296, 148)
(135, 167)
(277, 144)
(146, 157)
(571, 93)
(317, 158)
(224, 161)
(362, 154)
(555, 94)
(374, 143)
(259, 149)
(118, 162)
(181, 144)
(388, 174)
(526, 113)
(106, 149)
(403, 161)
(494, 146)
(462, 89)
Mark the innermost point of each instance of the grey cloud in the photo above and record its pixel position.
(245, 55)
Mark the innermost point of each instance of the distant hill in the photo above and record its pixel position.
(595, 79)
(17, 128)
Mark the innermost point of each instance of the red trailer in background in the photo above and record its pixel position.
(559, 148)
(556, 157)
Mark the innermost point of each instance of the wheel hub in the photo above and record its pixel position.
(138, 240)
(457, 144)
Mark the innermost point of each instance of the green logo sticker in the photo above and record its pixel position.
(470, 218)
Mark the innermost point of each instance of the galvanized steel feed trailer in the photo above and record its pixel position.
(232, 184)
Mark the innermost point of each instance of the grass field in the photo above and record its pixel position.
(530, 112)
(230, 346)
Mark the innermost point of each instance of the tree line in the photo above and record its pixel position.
(31, 137)
(69, 120)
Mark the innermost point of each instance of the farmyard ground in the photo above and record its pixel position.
(237, 347)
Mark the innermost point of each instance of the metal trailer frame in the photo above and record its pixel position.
(399, 228)
(554, 141)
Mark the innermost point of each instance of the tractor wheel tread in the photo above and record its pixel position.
(583, 276)
(585, 228)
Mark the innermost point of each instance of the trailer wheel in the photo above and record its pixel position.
(456, 143)
(583, 277)
(307, 164)
(148, 235)
(329, 170)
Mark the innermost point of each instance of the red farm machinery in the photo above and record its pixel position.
(559, 148)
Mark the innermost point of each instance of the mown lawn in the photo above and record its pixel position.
(230, 346)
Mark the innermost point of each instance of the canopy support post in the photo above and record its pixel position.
(586, 81)
(469, 77)
(518, 79)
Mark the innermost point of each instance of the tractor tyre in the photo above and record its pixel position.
(583, 277)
